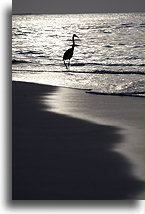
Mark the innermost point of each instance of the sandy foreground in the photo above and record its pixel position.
(70, 145)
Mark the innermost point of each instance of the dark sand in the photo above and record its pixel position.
(59, 157)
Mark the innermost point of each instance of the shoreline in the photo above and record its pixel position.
(57, 156)
(87, 90)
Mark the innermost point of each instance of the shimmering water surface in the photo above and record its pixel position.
(108, 56)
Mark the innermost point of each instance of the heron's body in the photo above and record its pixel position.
(69, 53)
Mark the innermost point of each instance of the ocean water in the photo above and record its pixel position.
(108, 56)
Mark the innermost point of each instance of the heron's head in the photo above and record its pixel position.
(74, 35)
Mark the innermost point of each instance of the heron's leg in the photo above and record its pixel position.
(69, 63)
(65, 64)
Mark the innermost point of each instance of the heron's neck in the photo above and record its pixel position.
(73, 42)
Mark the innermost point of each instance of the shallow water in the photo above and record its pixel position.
(108, 57)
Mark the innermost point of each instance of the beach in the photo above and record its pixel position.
(70, 145)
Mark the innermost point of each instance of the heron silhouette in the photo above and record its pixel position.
(69, 53)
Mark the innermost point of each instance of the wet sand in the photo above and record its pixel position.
(57, 156)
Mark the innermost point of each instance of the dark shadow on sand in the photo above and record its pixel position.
(56, 157)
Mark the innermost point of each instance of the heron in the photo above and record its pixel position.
(69, 53)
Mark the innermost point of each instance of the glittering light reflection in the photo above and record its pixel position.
(107, 43)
